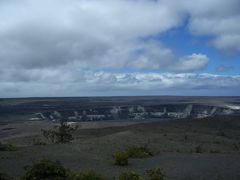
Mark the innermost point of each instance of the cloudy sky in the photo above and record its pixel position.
(119, 47)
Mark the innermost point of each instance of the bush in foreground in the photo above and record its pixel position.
(4, 176)
(53, 170)
(130, 175)
(155, 174)
(46, 169)
(120, 158)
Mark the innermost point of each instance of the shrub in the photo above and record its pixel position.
(4, 176)
(46, 169)
(155, 174)
(139, 152)
(53, 170)
(7, 147)
(60, 134)
(198, 149)
(120, 158)
(130, 175)
(86, 175)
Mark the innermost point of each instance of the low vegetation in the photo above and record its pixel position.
(139, 152)
(151, 174)
(86, 175)
(199, 149)
(4, 176)
(46, 169)
(120, 158)
(155, 174)
(130, 175)
(7, 147)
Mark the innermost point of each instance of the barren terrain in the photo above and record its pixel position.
(173, 142)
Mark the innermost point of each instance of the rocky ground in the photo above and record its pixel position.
(184, 149)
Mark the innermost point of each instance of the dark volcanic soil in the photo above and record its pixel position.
(174, 145)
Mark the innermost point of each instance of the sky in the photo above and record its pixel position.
(54, 48)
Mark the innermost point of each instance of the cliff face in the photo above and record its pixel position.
(118, 108)
(171, 111)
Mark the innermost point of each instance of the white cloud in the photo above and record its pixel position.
(95, 34)
(150, 55)
(73, 83)
(46, 33)
(228, 43)
(191, 63)
(219, 19)
(64, 44)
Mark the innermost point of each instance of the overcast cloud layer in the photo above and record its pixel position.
(107, 47)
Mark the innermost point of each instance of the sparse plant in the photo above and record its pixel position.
(120, 158)
(4, 176)
(53, 170)
(198, 149)
(7, 147)
(139, 152)
(130, 175)
(86, 175)
(155, 174)
(46, 169)
(50, 135)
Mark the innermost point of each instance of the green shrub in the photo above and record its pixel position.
(86, 175)
(139, 152)
(120, 158)
(4, 176)
(155, 174)
(46, 169)
(7, 147)
(130, 175)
